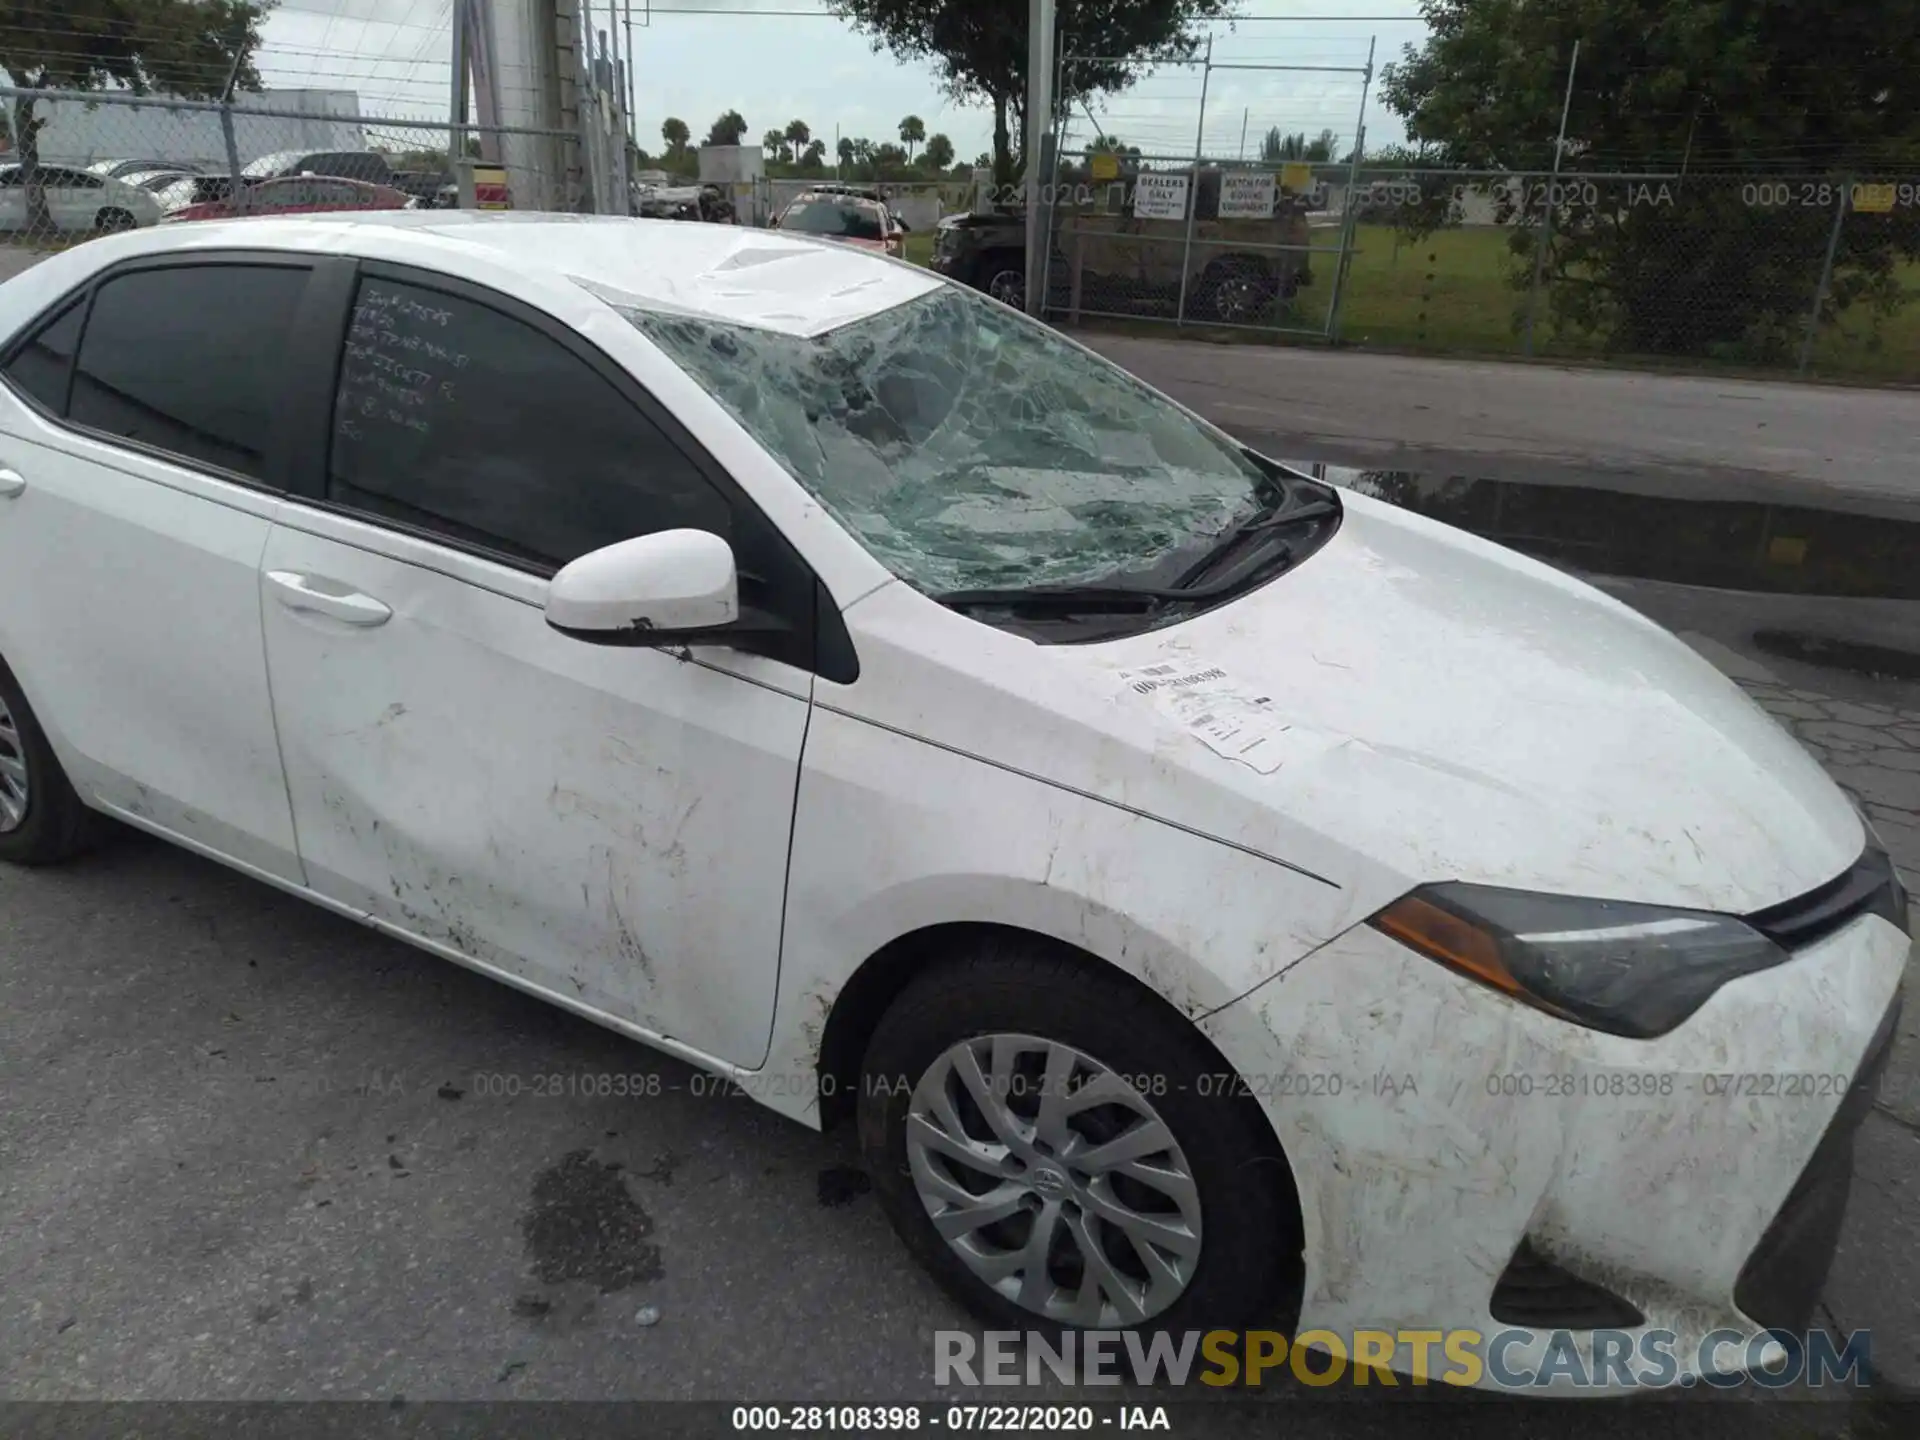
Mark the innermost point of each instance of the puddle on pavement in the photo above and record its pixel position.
(1819, 549)
(1726, 544)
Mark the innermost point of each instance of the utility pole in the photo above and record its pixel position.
(1552, 199)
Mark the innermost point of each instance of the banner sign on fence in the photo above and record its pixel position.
(1248, 195)
(1296, 177)
(1873, 199)
(1105, 165)
(1160, 197)
(490, 187)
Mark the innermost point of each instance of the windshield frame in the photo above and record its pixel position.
(1255, 545)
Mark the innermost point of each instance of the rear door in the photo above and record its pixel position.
(145, 421)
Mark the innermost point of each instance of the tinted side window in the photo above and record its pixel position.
(42, 365)
(189, 360)
(460, 420)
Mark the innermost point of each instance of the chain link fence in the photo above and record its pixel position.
(81, 165)
(1814, 274)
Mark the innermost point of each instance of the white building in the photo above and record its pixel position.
(79, 132)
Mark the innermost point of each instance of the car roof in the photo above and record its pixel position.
(764, 279)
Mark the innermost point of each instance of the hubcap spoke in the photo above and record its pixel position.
(14, 780)
(1054, 1181)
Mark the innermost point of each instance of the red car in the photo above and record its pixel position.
(298, 195)
(850, 219)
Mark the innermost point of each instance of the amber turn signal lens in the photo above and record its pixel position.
(1439, 935)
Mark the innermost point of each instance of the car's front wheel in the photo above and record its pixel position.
(1062, 1150)
(41, 819)
(112, 220)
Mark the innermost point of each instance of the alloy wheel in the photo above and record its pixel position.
(14, 791)
(1054, 1181)
(1009, 287)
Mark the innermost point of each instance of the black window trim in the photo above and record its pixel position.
(279, 456)
(314, 365)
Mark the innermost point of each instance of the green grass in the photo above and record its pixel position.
(1449, 292)
(919, 247)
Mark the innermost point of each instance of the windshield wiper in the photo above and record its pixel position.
(1269, 517)
(1124, 599)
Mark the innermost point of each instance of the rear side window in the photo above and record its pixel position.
(40, 367)
(189, 360)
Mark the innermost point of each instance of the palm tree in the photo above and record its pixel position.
(798, 134)
(675, 133)
(913, 130)
(775, 144)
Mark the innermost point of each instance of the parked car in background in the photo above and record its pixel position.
(368, 165)
(1237, 270)
(77, 200)
(425, 186)
(154, 181)
(300, 195)
(836, 213)
(124, 169)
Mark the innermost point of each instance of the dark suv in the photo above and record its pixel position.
(1236, 269)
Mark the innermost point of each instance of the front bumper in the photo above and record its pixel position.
(1440, 1133)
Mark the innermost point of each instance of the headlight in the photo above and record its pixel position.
(1898, 907)
(1633, 970)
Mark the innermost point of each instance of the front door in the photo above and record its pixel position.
(606, 825)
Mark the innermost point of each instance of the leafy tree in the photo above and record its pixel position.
(1691, 268)
(913, 130)
(190, 48)
(729, 129)
(939, 152)
(980, 48)
(675, 132)
(983, 161)
(774, 142)
(846, 150)
(815, 154)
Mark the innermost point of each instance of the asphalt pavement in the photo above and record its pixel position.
(249, 1150)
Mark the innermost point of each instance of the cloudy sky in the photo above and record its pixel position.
(788, 59)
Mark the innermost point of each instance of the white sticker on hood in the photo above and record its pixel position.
(1227, 717)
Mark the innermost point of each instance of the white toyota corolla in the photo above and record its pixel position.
(1218, 897)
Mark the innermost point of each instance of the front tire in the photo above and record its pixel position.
(42, 821)
(1049, 1141)
(110, 222)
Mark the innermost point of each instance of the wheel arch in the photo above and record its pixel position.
(880, 979)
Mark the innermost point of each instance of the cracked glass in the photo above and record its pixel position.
(971, 448)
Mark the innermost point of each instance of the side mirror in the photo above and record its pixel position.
(662, 589)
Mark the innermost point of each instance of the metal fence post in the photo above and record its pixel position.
(1551, 200)
(233, 150)
(1826, 274)
(1350, 221)
(1193, 186)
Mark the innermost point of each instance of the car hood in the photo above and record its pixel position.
(1459, 711)
(1428, 706)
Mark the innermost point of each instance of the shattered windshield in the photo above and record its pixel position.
(970, 448)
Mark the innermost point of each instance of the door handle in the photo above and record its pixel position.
(305, 593)
(12, 482)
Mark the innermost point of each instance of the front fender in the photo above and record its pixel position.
(893, 835)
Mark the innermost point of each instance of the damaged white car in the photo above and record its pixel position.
(1219, 899)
